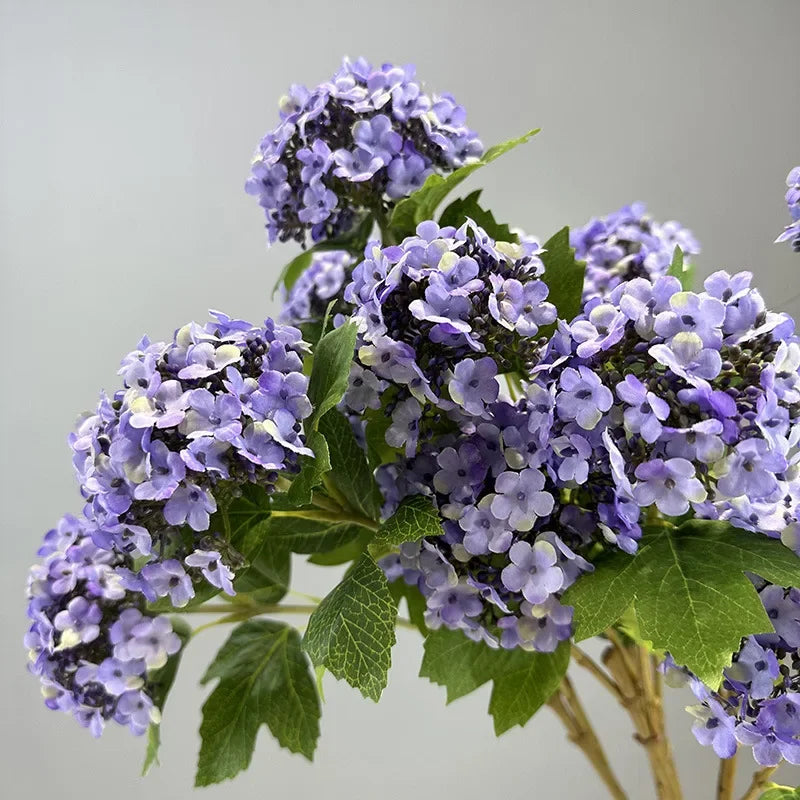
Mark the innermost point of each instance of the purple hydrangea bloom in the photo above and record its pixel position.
(474, 384)
(583, 397)
(81, 632)
(671, 485)
(628, 244)
(533, 571)
(363, 140)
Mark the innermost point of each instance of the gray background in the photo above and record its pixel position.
(125, 138)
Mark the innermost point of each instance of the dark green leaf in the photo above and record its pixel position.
(689, 591)
(523, 681)
(563, 275)
(311, 469)
(294, 269)
(378, 451)
(313, 536)
(422, 204)
(459, 664)
(415, 603)
(457, 213)
(351, 633)
(415, 518)
(332, 359)
(267, 576)
(351, 551)
(526, 685)
(351, 476)
(326, 386)
(264, 678)
(159, 683)
(681, 269)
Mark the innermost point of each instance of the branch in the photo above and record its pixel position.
(726, 778)
(584, 660)
(568, 709)
(759, 782)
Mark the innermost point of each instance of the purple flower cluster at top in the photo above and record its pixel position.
(509, 547)
(678, 400)
(792, 231)
(441, 316)
(321, 283)
(89, 643)
(219, 406)
(628, 244)
(360, 141)
(759, 704)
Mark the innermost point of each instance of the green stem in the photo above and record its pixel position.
(258, 609)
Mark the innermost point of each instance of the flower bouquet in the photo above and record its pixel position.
(521, 444)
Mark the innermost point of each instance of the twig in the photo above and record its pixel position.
(584, 660)
(644, 707)
(726, 778)
(760, 780)
(581, 733)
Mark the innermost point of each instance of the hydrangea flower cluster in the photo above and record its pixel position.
(441, 316)
(321, 283)
(356, 143)
(89, 643)
(792, 232)
(759, 701)
(219, 406)
(680, 400)
(628, 244)
(510, 547)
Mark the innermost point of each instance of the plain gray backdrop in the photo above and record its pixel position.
(126, 129)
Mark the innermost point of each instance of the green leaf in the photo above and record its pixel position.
(526, 685)
(264, 678)
(781, 793)
(378, 451)
(294, 269)
(457, 213)
(351, 551)
(689, 591)
(311, 470)
(523, 681)
(351, 633)
(267, 576)
(350, 475)
(332, 359)
(422, 204)
(563, 275)
(415, 518)
(681, 269)
(313, 536)
(160, 682)
(459, 664)
(326, 386)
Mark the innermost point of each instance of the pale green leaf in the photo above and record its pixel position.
(351, 632)
(415, 518)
